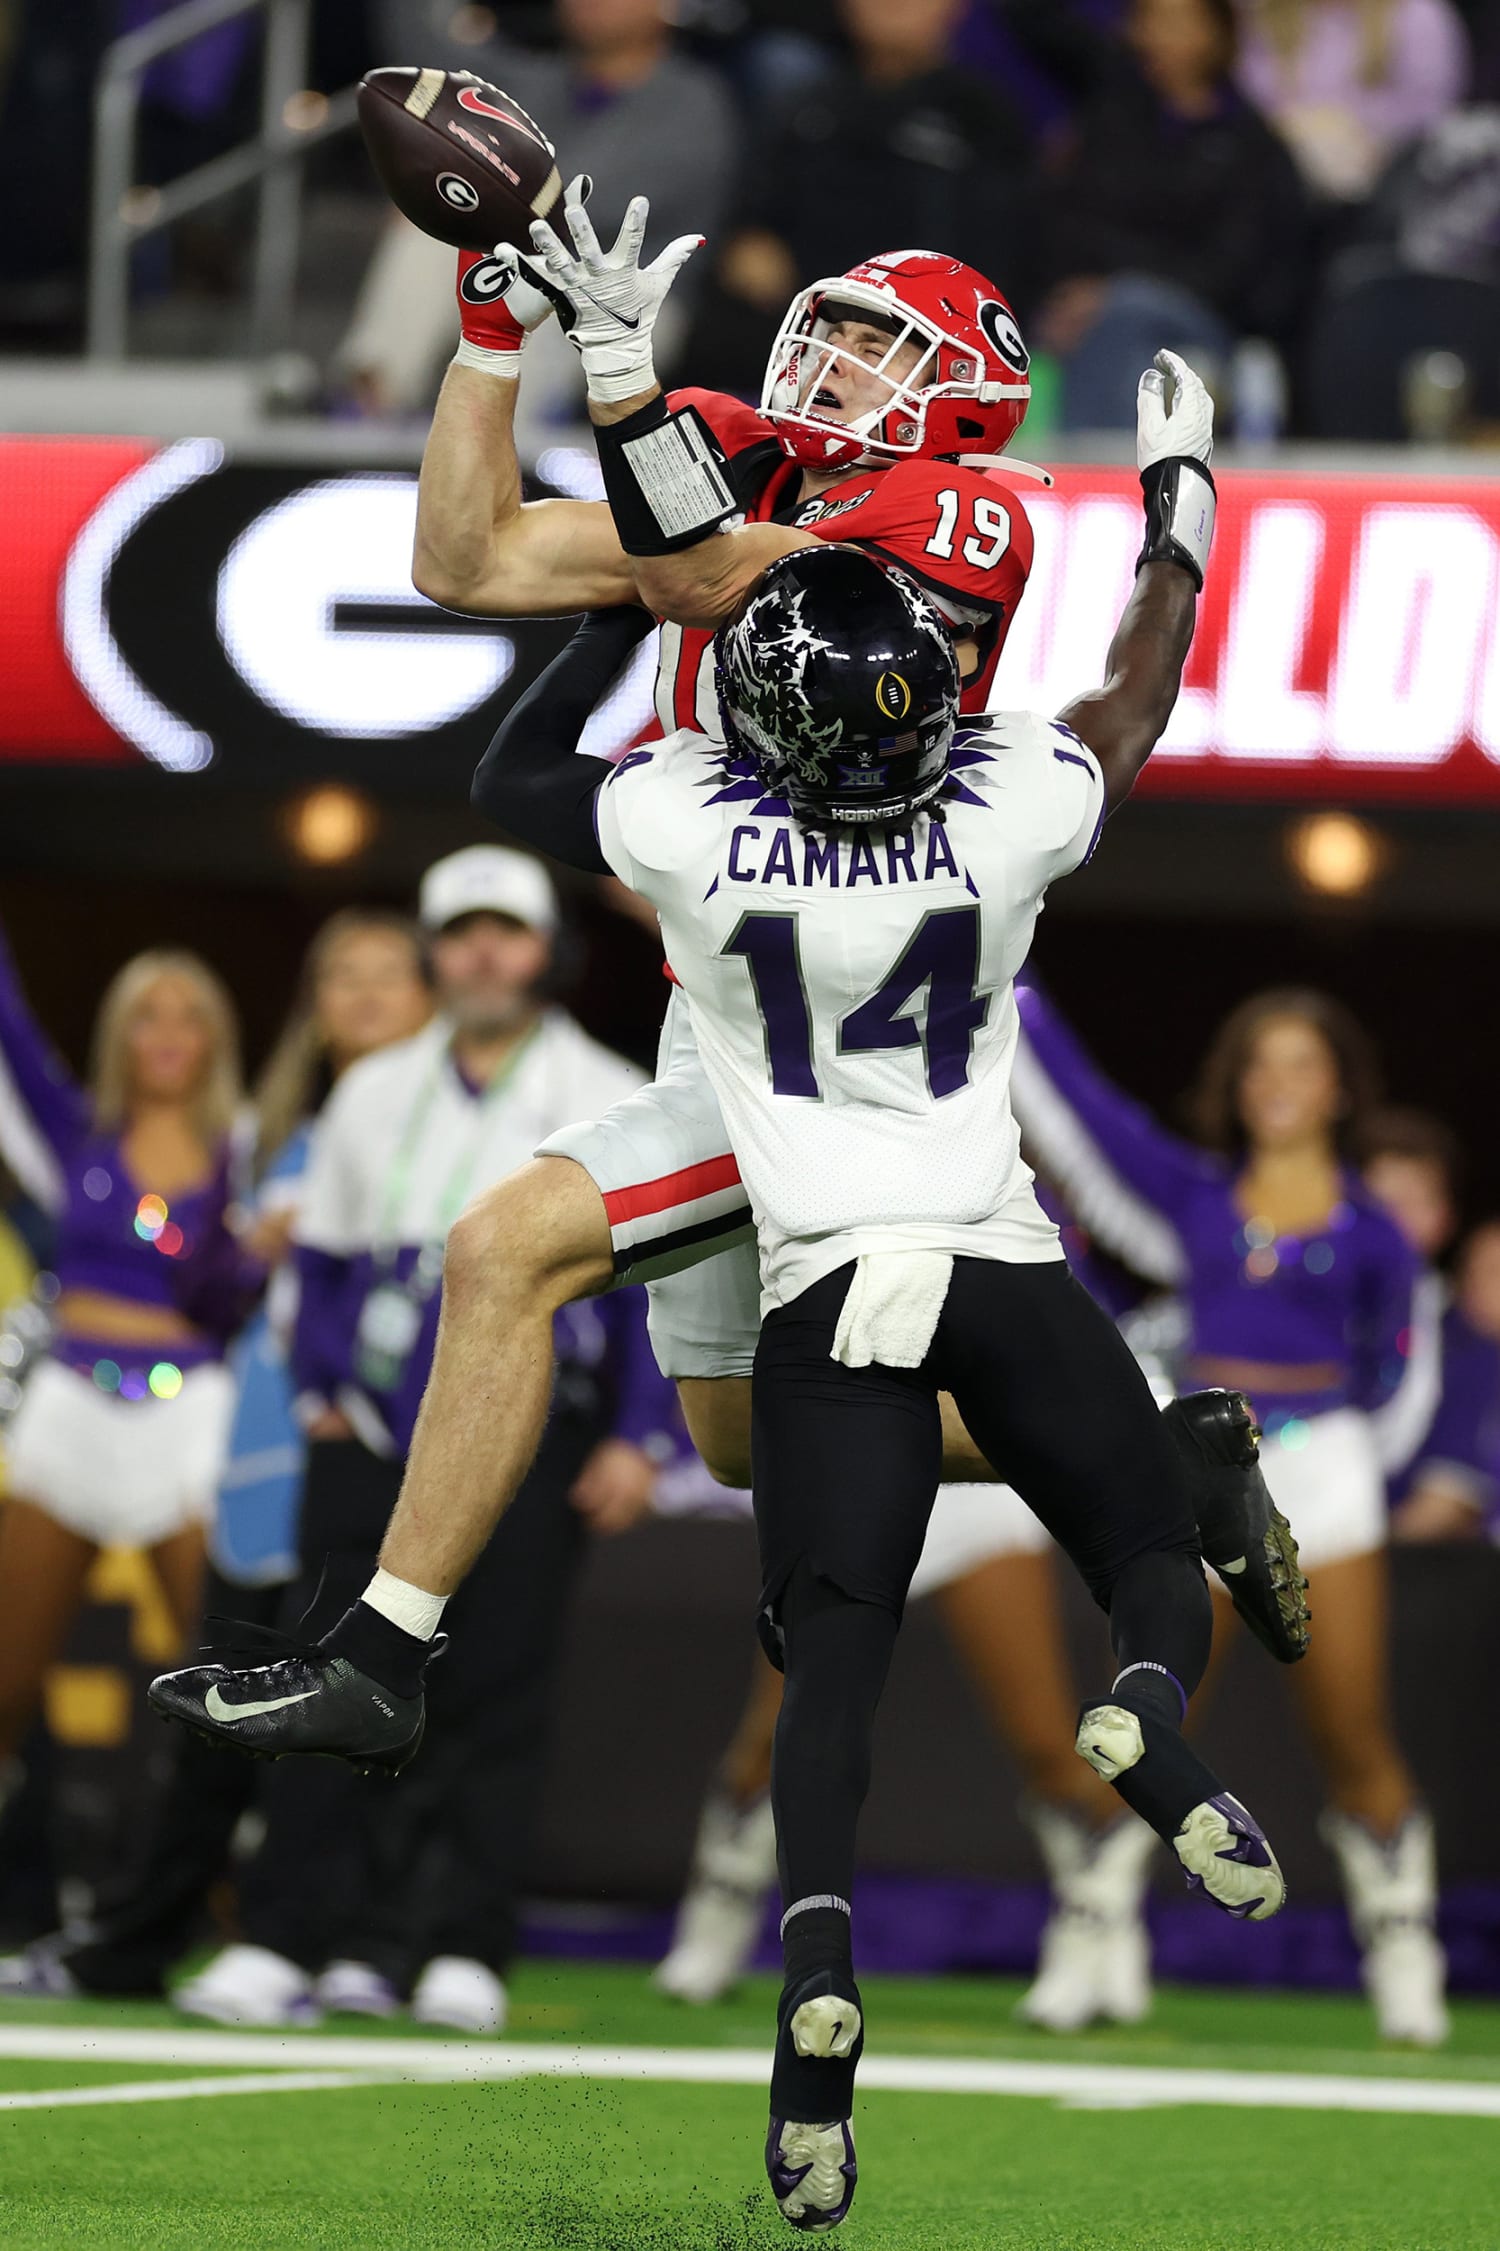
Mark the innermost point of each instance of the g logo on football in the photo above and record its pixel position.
(456, 192)
(999, 326)
(893, 695)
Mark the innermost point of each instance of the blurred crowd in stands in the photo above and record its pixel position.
(1303, 195)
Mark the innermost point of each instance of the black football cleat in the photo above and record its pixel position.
(1244, 1534)
(811, 2166)
(308, 1701)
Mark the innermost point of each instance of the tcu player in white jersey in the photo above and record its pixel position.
(846, 905)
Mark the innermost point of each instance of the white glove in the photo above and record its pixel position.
(614, 298)
(1187, 432)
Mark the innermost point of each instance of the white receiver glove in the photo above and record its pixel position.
(1174, 448)
(1186, 432)
(614, 298)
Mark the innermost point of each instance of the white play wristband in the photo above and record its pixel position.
(612, 374)
(506, 364)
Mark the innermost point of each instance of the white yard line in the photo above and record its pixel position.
(179, 2090)
(1079, 2085)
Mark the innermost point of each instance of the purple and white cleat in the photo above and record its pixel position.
(1225, 1852)
(812, 2171)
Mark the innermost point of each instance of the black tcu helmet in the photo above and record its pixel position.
(839, 682)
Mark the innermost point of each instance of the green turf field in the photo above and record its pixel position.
(1231, 2120)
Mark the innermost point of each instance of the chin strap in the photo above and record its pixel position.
(1006, 461)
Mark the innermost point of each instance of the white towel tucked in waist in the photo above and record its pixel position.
(892, 1309)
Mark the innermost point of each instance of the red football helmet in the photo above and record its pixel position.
(967, 391)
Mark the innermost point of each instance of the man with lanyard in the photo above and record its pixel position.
(410, 1135)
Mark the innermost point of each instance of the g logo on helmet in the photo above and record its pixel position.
(893, 695)
(1000, 329)
(457, 192)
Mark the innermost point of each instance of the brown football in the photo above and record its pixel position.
(458, 156)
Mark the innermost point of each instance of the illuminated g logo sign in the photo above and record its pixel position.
(893, 695)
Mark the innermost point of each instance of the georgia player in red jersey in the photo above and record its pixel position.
(886, 389)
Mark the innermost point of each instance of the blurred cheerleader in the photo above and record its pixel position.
(363, 985)
(120, 1435)
(1301, 1292)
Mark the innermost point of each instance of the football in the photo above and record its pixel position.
(461, 159)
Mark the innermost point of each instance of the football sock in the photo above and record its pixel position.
(816, 1947)
(392, 1649)
(1161, 1622)
(816, 1938)
(411, 1608)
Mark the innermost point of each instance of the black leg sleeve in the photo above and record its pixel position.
(838, 1652)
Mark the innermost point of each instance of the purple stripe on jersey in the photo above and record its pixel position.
(1072, 758)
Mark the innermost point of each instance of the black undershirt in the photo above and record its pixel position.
(532, 780)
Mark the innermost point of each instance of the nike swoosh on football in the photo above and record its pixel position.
(217, 1709)
(469, 100)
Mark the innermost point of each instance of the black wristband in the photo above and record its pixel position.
(666, 478)
(1180, 504)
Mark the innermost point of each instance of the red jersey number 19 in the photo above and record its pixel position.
(985, 543)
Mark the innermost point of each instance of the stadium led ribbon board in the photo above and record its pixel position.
(1348, 638)
(177, 607)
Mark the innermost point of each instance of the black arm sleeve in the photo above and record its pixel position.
(532, 780)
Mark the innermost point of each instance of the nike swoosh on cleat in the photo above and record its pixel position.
(217, 1709)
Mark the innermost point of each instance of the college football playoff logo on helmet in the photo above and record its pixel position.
(893, 695)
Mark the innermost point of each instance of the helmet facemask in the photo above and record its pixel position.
(895, 428)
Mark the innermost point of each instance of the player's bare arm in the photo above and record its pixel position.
(479, 547)
(483, 550)
(1123, 721)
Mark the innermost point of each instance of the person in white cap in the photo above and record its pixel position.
(409, 1136)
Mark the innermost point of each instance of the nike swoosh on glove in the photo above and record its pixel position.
(614, 298)
(1186, 431)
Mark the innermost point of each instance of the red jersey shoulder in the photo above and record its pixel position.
(958, 530)
(736, 425)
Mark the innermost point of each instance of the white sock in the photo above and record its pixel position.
(411, 1608)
